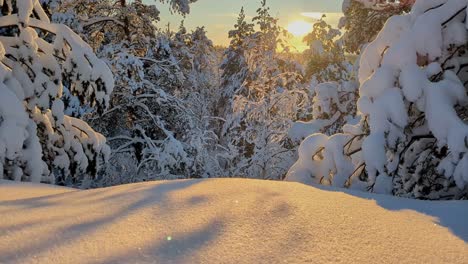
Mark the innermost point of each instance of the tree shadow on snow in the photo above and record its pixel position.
(151, 196)
(177, 246)
(174, 249)
(450, 214)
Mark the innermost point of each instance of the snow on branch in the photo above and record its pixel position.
(39, 59)
(412, 100)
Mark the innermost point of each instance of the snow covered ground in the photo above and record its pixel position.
(225, 221)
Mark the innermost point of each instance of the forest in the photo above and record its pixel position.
(100, 93)
(338, 138)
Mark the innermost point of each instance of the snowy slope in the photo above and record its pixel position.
(10, 190)
(225, 221)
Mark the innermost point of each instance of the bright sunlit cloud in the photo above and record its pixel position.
(299, 28)
(313, 15)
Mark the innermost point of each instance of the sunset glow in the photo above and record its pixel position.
(313, 15)
(299, 28)
(221, 131)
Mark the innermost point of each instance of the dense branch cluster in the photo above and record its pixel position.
(363, 19)
(264, 92)
(412, 137)
(38, 142)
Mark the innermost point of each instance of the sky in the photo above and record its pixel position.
(219, 16)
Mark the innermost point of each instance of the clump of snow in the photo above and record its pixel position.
(332, 105)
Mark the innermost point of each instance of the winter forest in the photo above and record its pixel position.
(99, 93)
(128, 138)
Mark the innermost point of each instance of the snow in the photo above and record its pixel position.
(414, 61)
(300, 130)
(331, 104)
(225, 221)
(13, 191)
(38, 142)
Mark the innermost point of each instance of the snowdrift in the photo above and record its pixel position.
(225, 221)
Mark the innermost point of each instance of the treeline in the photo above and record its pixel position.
(177, 107)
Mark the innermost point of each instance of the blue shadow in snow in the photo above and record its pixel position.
(450, 214)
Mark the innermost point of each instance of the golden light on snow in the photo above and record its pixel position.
(299, 28)
(133, 223)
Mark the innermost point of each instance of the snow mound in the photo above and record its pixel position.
(225, 221)
(11, 191)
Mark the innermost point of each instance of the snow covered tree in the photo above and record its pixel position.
(325, 58)
(412, 139)
(201, 93)
(234, 66)
(198, 61)
(332, 80)
(158, 119)
(38, 142)
(262, 108)
(363, 20)
(150, 122)
(160, 116)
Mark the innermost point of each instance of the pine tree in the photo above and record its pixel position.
(234, 66)
(325, 58)
(263, 107)
(363, 20)
(332, 80)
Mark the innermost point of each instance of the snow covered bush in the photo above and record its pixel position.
(412, 139)
(38, 142)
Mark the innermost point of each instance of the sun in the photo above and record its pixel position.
(299, 28)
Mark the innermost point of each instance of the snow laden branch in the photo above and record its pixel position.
(121, 17)
(363, 19)
(38, 142)
(413, 105)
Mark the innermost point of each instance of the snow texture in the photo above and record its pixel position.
(225, 221)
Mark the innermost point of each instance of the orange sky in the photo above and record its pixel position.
(219, 16)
